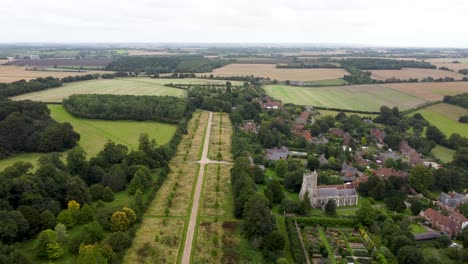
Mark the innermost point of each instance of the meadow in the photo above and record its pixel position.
(430, 91)
(407, 73)
(356, 97)
(445, 117)
(270, 70)
(95, 133)
(10, 73)
(443, 153)
(123, 86)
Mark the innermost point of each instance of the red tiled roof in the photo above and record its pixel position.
(387, 172)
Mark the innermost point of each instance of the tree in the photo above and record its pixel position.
(115, 178)
(90, 254)
(61, 233)
(312, 163)
(86, 215)
(77, 190)
(119, 221)
(76, 161)
(258, 221)
(366, 214)
(330, 207)
(399, 242)
(421, 178)
(138, 201)
(416, 207)
(118, 241)
(258, 175)
(395, 201)
(47, 219)
(363, 141)
(274, 241)
(47, 246)
(281, 168)
(464, 236)
(433, 133)
(107, 195)
(96, 191)
(139, 181)
(66, 218)
(276, 189)
(410, 255)
(93, 233)
(131, 216)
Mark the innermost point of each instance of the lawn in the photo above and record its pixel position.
(445, 117)
(417, 229)
(122, 86)
(95, 133)
(443, 153)
(353, 97)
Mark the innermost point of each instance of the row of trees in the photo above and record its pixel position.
(385, 64)
(459, 100)
(26, 126)
(128, 107)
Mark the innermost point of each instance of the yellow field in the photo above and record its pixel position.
(10, 73)
(406, 73)
(430, 91)
(270, 70)
(448, 62)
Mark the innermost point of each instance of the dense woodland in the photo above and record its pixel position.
(157, 64)
(458, 100)
(127, 107)
(26, 126)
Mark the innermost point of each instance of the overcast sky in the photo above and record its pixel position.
(422, 23)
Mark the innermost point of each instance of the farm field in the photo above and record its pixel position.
(355, 97)
(270, 70)
(430, 91)
(9, 73)
(445, 117)
(443, 153)
(407, 73)
(448, 62)
(132, 52)
(95, 133)
(125, 86)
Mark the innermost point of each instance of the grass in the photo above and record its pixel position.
(354, 97)
(328, 82)
(443, 153)
(123, 86)
(280, 221)
(417, 229)
(334, 113)
(95, 133)
(445, 117)
(220, 138)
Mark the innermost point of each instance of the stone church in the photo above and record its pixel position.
(343, 194)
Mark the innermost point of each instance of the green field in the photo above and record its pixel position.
(328, 82)
(445, 117)
(443, 153)
(123, 86)
(95, 133)
(353, 97)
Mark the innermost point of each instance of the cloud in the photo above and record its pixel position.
(383, 22)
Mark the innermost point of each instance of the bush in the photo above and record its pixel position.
(108, 194)
(119, 241)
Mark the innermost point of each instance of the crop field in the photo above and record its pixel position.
(355, 97)
(407, 73)
(10, 74)
(270, 70)
(132, 52)
(95, 133)
(124, 86)
(448, 62)
(445, 117)
(430, 91)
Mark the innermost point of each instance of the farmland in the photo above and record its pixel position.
(270, 70)
(95, 133)
(10, 74)
(448, 62)
(430, 91)
(445, 117)
(356, 97)
(406, 73)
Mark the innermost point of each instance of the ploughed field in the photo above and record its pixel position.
(11, 73)
(122, 86)
(355, 97)
(434, 91)
(95, 133)
(270, 70)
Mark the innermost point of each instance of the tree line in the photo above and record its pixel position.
(127, 107)
(385, 64)
(26, 126)
(458, 100)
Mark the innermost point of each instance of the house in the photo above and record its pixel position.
(320, 140)
(277, 153)
(270, 104)
(297, 130)
(387, 172)
(452, 200)
(343, 194)
(378, 134)
(389, 154)
(306, 135)
(249, 126)
(323, 160)
(410, 153)
(340, 133)
(451, 226)
(431, 164)
(349, 172)
(360, 160)
(303, 118)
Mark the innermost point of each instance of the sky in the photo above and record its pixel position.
(400, 23)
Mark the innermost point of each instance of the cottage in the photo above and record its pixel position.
(349, 173)
(303, 118)
(277, 153)
(452, 200)
(387, 172)
(410, 153)
(340, 133)
(249, 126)
(451, 226)
(379, 135)
(297, 130)
(389, 154)
(360, 160)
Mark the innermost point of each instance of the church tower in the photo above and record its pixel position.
(309, 186)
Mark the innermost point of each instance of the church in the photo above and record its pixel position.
(343, 194)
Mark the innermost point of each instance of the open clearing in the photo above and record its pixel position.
(445, 117)
(355, 97)
(10, 73)
(407, 73)
(430, 91)
(270, 70)
(443, 153)
(95, 133)
(122, 86)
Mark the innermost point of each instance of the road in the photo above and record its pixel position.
(196, 198)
